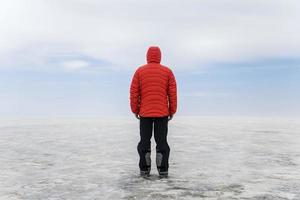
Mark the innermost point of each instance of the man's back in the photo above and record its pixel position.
(153, 91)
(153, 99)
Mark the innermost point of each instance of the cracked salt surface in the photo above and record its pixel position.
(211, 158)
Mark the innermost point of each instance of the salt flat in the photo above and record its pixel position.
(211, 158)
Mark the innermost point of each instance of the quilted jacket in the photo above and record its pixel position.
(153, 90)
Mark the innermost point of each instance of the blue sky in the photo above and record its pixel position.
(244, 90)
(230, 58)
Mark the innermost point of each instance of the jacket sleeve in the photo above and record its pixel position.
(135, 93)
(172, 94)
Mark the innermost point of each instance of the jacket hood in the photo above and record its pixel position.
(153, 55)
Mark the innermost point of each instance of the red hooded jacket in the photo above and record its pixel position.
(153, 90)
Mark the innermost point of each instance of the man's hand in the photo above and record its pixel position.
(137, 116)
(170, 118)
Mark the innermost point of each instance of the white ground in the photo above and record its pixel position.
(211, 158)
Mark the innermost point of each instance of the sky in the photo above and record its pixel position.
(77, 57)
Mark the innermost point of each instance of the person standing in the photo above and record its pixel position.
(153, 100)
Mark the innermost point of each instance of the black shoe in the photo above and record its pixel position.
(163, 174)
(145, 173)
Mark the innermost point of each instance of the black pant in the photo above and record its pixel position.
(160, 136)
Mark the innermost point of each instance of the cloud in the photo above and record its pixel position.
(190, 33)
(75, 64)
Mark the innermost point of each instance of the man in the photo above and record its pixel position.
(153, 100)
